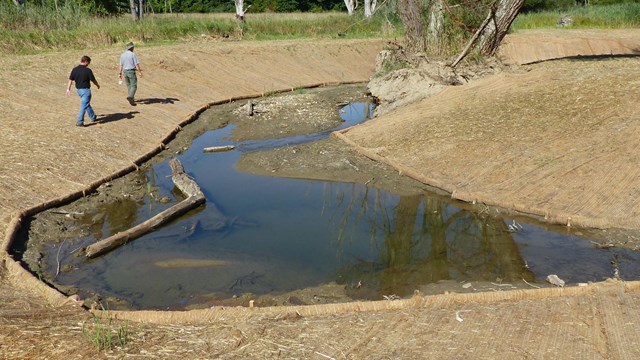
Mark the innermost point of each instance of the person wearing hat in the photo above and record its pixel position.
(83, 77)
(128, 65)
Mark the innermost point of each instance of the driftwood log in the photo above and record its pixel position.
(186, 184)
(219, 148)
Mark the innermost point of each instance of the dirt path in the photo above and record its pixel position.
(47, 157)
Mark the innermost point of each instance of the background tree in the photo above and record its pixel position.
(240, 9)
(351, 6)
(134, 11)
(501, 18)
(369, 8)
(411, 15)
(451, 22)
(435, 28)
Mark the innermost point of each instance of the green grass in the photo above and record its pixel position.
(104, 336)
(607, 17)
(34, 29)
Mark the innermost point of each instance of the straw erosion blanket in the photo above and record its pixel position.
(530, 133)
(556, 139)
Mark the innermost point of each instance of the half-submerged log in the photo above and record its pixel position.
(186, 184)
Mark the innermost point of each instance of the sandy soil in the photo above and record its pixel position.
(536, 113)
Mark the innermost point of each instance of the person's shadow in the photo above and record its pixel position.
(113, 117)
(157, 101)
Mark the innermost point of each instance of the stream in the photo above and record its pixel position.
(279, 235)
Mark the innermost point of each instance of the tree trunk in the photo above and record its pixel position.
(435, 28)
(504, 15)
(239, 8)
(134, 13)
(369, 8)
(351, 6)
(472, 40)
(436, 20)
(410, 12)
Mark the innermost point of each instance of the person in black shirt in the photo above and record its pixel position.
(83, 77)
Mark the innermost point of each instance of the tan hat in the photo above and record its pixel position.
(129, 46)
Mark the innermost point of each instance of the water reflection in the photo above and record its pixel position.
(425, 241)
(123, 211)
(265, 235)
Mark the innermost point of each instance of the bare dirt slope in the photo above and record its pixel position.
(46, 157)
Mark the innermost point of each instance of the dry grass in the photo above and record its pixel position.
(595, 322)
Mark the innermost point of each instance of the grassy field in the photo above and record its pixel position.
(35, 29)
(611, 17)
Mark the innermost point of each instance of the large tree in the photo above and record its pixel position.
(501, 18)
(486, 39)
(411, 14)
(369, 7)
(133, 9)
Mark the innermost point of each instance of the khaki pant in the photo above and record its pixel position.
(131, 80)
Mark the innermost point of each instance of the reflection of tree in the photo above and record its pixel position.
(426, 241)
(116, 215)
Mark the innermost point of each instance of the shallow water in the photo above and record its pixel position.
(265, 235)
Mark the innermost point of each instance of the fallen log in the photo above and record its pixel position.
(218, 148)
(185, 183)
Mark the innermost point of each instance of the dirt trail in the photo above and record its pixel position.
(47, 157)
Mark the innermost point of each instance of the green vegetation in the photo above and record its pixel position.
(34, 29)
(624, 15)
(78, 24)
(104, 336)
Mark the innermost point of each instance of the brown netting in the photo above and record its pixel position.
(514, 154)
(544, 142)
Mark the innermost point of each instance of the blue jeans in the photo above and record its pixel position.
(85, 105)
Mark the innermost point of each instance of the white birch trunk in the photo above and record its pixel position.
(351, 6)
(436, 21)
(369, 8)
(240, 10)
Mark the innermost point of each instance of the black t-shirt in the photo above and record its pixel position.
(82, 76)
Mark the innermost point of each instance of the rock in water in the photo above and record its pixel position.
(555, 280)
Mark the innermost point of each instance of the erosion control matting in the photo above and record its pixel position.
(558, 140)
(526, 143)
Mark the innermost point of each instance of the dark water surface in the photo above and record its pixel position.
(271, 235)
